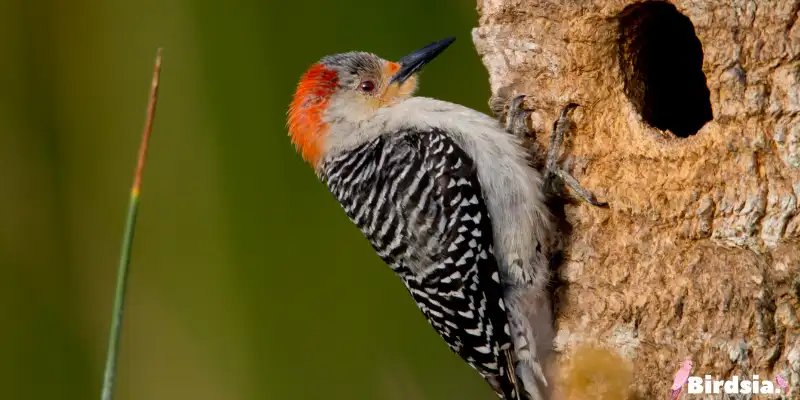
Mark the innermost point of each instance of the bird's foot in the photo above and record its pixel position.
(516, 117)
(552, 169)
(516, 124)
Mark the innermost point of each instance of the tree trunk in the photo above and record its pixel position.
(689, 127)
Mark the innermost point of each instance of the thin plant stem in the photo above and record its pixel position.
(109, 378)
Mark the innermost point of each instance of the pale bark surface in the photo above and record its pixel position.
(698, 255)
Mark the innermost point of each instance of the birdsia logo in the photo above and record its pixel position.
(734, 385)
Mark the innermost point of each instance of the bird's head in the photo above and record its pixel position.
(350, 88)
(686, 364)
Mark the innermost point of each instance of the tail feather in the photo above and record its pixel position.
(506, 385)
(530, 372)
(527, 366)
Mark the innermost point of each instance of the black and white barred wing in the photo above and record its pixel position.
(416, 197)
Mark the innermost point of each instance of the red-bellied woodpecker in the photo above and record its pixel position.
(446, 197)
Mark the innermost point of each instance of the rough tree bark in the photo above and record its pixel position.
(698, 255)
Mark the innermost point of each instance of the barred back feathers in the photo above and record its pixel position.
(415, 196)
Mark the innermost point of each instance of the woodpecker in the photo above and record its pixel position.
(447, 198)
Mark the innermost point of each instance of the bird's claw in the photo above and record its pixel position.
(517, 116)
(552, 169)
(516, 124)
(576, 187)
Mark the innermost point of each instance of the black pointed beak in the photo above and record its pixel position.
(414, 62)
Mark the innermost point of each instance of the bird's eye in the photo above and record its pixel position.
(367, 86)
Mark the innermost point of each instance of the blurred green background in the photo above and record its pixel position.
(248, 281)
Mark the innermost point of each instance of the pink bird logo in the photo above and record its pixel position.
(681, 377)
(781, 382)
